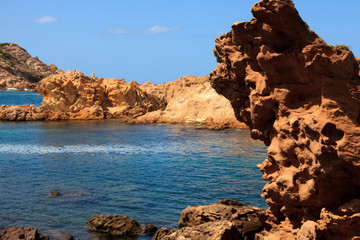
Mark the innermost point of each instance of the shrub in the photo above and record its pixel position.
(6, 55)
(343, 47)
(11, 64)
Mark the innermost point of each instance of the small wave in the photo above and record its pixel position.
(82, 148)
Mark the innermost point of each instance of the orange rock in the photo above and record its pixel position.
(302, 98)
(73, 95)
(190, 99)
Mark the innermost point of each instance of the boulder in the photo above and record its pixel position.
(302, 98)
(226, 219)
(26, 233)
(117, 225)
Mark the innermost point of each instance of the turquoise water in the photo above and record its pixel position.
(150, 173)
(20, 98)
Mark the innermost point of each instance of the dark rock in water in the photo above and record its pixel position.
(55, 193)
(227, 219)
(28, 233)
(117, 225)
(150, 229)
(58, 235)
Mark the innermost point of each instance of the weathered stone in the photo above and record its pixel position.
(117, 225)
(190, 99)
(302, 98)
(226, 219)
(16, 233)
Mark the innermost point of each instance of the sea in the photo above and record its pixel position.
(147, 172)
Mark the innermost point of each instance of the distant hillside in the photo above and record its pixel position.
(18, 69)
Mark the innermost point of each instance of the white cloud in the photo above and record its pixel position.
(117, 31)
(45, 19)
(157, 29)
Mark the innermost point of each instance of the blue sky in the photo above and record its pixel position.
(150, 40)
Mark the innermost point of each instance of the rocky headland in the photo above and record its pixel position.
(19, 70)
(302, 98)
(72, 95)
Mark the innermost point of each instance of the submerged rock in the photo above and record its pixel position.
(227, 219)
(26, 233)
(302, 98)
(117, 225)
(58, 235)
(55, 193)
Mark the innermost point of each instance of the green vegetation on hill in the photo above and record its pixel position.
(6, 55)
(3, 44)
(11, 64)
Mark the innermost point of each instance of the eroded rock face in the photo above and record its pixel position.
(18, 69)
(117, 225)
(302, 98)
(73, 95)
(225, 220)
(190, 99)
(16, 233)
(21, 113)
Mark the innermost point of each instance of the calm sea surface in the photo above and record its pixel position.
(20, 98)
(150, 173)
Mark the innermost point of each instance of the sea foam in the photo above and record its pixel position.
(83, 148)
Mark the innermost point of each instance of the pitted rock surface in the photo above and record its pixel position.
(302, 98)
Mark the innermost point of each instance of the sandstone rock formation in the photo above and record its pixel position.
(190, 99)
(226, 220)
(73, 95)
(302, 98)
(21, 113)
(19, 70)
(16, 233)
(118, 225)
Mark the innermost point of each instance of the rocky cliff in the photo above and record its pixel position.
(302, 98)
(19, 70)
(190, 99)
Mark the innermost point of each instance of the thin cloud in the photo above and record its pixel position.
(117, 31)
(45, 19)
(157, 29)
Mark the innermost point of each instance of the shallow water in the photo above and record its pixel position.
(150, 173)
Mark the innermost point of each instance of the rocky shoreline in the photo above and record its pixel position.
(297, 94)
(74, 96)
(226, 220)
